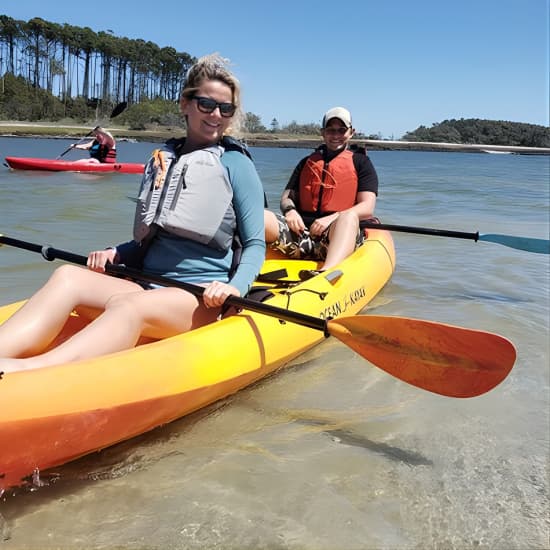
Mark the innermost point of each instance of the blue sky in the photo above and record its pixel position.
(396, 64)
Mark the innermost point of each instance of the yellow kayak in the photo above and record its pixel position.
(53, 415)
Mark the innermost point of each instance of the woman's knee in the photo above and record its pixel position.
(162, 312)
(142, 304)
(67, 275)
(124, 300)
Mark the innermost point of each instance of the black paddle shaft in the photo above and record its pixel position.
(422, 230)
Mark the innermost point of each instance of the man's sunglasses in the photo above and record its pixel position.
(341, 130)
(208, 105)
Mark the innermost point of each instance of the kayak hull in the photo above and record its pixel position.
(53, 415)
(56, 165)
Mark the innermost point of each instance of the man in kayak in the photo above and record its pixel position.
(179, 232)
(329, 193)
(102, 148)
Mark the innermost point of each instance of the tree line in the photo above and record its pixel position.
(487, 132)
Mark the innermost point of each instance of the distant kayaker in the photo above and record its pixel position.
(196, 194)
(102, 147)
(328, 194)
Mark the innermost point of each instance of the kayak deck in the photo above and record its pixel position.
(53, 415)
(57, 165)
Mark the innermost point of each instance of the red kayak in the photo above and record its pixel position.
(27, 163)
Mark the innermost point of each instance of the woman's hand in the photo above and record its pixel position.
(97, 260)
(216, 293)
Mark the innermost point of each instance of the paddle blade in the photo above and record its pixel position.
(540, 246)
(444, 359)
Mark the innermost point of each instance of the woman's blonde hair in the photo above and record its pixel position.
(214, 67)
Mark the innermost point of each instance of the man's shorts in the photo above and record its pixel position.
(304, 246)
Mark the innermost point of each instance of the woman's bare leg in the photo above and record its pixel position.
(33, 327)
(343, 235)
(158, 313)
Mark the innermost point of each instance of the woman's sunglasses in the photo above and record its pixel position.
(208, 105)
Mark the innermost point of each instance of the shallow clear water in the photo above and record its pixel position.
(333, 452)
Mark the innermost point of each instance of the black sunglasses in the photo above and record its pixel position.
(208, 105)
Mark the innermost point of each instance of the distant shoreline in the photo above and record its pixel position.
(60, 131)
(383, 145)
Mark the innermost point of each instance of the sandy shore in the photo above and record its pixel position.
(383, 145)
(161, 134)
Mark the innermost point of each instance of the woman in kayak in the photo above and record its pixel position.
(102, 148)
(188, 240)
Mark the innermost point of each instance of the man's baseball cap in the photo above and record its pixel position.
(339, 113)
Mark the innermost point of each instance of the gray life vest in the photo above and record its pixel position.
(190, 196)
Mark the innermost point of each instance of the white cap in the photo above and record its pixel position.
(339, 113)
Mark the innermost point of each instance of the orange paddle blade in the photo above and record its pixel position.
(444, 359)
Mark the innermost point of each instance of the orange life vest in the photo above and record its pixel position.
(327, 187)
